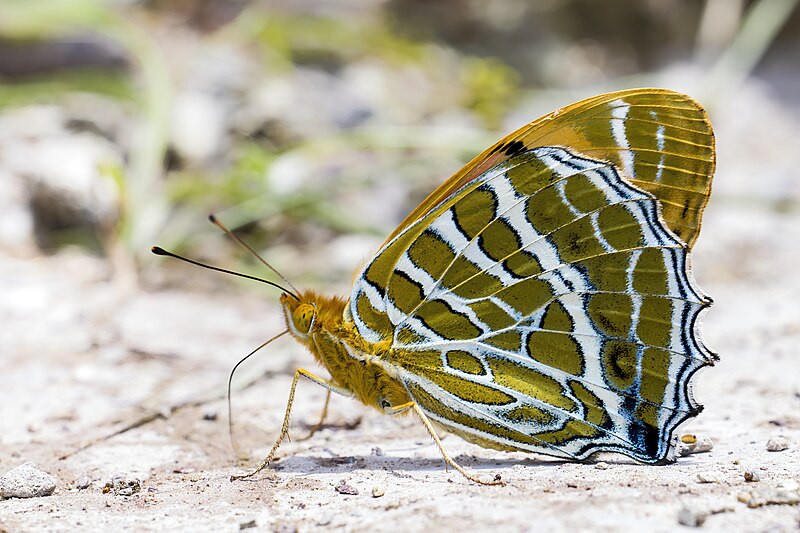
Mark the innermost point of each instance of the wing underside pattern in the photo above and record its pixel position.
(544, 306)
(659, 140)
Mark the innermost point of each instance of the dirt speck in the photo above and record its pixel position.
(343, 488)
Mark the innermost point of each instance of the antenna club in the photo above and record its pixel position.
(212, 218)
(160, 251)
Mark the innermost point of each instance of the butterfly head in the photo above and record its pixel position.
(308, 313)
(303, 317)
(301, 314)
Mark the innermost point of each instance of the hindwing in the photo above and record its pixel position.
(543, 305)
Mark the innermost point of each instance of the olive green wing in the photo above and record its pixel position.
(543, 306)
(540, 299)
(660, 141)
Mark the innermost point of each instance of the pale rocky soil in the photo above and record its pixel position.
(82, 358)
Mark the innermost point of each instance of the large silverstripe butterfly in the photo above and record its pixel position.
(540, 299)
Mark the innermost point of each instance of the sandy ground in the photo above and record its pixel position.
(99, 382)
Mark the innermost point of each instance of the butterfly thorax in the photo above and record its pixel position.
(317, 322)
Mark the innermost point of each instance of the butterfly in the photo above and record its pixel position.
(539, 300)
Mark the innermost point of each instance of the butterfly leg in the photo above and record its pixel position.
(432, 431)
(322, 417)
(301, 372)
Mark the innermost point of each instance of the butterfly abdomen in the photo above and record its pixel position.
(353, 368)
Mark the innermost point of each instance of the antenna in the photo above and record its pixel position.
(247, 247)
(230, 380)
(160, 251)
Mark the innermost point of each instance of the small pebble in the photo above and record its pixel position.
(247, 525)
(695, 444)
(751, 476)
(602, 465)
(704, 444)
(210, 415)
(377, 492)
(377, 451)
(707, 477)
(122, 487)
(26, 481)
(344, 488)
(777, 444)
(83, 482)
(691, 518)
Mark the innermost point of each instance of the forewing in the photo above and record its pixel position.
(659, 140)
(543, 306)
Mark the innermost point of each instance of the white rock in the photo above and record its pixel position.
(26, 481)
(704, 444)
(777, 443)
(707, 477)
(691, 517)
(695, 444)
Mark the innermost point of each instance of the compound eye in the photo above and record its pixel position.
(302, 317)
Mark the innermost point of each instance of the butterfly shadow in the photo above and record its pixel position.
(305, 464)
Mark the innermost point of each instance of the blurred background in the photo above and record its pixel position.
(312, 127)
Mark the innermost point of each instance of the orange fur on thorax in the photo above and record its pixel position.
(369, 382)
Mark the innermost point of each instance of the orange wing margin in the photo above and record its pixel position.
(659, 140)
